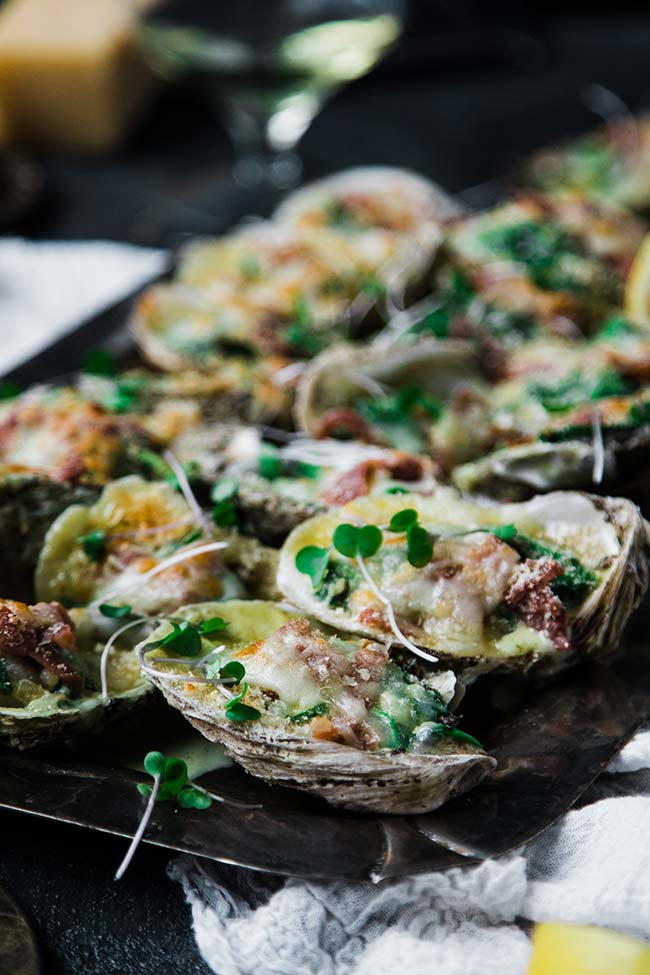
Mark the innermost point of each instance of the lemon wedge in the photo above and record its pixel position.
(564, 949)
(637, 286)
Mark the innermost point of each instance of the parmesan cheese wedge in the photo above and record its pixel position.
(70, 72)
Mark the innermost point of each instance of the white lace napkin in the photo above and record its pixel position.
(593, 867)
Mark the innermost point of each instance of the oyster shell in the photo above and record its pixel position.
(34, 711)
(339, 379)
(273, 645)
(465, 605)
(29, 503)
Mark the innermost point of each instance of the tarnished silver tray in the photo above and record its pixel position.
(550, 741)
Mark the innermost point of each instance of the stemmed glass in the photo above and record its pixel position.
(269, 66)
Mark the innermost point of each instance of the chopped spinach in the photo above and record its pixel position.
(576, 580)
(577, 388)
(309, 713)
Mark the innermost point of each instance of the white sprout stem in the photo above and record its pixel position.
(404, 640)
(128, 584)
(369, 384)
(201, 519)
(173, 675)
(109, 646)
(144, 822)
(230, 802)
(599, 449)
(288, 373)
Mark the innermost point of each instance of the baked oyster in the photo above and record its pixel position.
(50, 675)
(121, 544)
(302, 706)
(390, 394)
(564, 259)
(610, 164)
(390, 220)
(473, 583)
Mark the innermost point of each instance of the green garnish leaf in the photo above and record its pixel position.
(309, 713)
(269, 464)
(100, 362)
(115, 612)
(640, 413)
(224, 490)
(94, 544)
(419, 546)
(313, 562)
(9, 390)
(154, 763)
(396, 490)
(233, 670)
(184, 639)
(192, 798)
(223, 494)
(369, 542)
(504, 532)
(346, 540)
(236, 710)
(402, 519)
(213, 625)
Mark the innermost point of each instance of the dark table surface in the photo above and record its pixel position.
(463, 121)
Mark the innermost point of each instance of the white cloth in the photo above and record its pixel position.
(593, 867)
(47, 288)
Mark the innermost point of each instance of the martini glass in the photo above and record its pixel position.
(270, 65)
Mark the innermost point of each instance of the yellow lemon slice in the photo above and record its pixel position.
(564, 949)
(637, 286)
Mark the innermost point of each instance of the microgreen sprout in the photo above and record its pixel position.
(94, 544)
(223, 494)
(186, 490)
(598, 448)
(236, 710)
(128, 584)
(9, 390)
(171, 783)
(115, 612)
(362, 542)
(100, 362)
(419, 546)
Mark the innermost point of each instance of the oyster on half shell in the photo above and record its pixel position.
(323, 712)
(503, 585)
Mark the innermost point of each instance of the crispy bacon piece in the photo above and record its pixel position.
(357, 482)
(343, 419)
(40, 632)
(531, 597)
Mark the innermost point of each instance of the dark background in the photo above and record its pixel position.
(473, 87)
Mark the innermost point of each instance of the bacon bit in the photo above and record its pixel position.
(352, 484)
(531, 596)
(40, 632)
(323, 730)
(369, 665)
(343, 419)
(374, 618)
(357, 482)
(313, 650)
(405, 467)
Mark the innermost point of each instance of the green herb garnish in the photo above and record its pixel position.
(94, 544)
(310, 713)
(223, 494)
(100, 362)
(353, 541)
(9, 389)
(174, 782)
(313, 562)
(236, 710)
(184, 639)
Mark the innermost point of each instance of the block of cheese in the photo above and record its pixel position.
(71, 75)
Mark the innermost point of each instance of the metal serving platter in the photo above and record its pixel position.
(550, 740)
